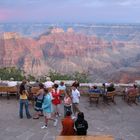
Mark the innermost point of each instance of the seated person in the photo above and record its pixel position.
(111, 88)
(132, 90)
(81, 124)
(68, 125)
(94, 89)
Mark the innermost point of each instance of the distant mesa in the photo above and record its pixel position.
(10, 35)
(70, 30)
(57, 30)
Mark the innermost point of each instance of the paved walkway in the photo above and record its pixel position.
(121, 120)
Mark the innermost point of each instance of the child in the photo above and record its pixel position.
(47, 109)
(56, 99)
(23, 100)
(67, 102)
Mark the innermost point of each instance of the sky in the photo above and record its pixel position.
(70, 11)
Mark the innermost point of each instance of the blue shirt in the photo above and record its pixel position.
(94, 91)
(47, 104)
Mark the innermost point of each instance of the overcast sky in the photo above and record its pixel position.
(73, 11)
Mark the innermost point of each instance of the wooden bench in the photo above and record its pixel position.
(131, 98)
(94, 97)
(109, 97)
(84, 138)
(8, 90)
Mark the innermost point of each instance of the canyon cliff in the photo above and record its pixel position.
(69, 51)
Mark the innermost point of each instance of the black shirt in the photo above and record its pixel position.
(81, 127)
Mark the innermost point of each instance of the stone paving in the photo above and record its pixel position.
(121, 121)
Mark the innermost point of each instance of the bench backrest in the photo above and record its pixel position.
(8, 89)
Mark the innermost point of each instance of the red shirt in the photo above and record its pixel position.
(68, 126)
(56, 97)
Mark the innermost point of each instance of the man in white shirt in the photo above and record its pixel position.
(75, 99)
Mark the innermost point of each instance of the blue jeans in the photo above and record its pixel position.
(24, 102)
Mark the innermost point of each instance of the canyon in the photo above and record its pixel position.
(105, 53)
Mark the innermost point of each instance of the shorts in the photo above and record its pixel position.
(46, 114)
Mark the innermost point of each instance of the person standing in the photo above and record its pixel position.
(47, 109)
(75, 95)
(67, 102)
(81, 124)
(23, 100)
(56, 100)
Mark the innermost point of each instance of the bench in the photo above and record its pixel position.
(109, 97)
(94, 97)
(131, 98)
(84, 138)
(8, 90)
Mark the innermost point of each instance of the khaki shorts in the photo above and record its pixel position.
(46, 114)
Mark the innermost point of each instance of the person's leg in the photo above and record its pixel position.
(49, 117)
(46, 122)
(77, 107)
(65, 110)
(74, 109)
(27, 109)
(21, 108)
(57, 110)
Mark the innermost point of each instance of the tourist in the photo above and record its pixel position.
(94, 89)
(111, 88)
(39, 96)
(81, 124)
(68, 125)
(62, 89)
(23, 100)
(56, 100)
(67, 102)
(48, 109)
(75, 95)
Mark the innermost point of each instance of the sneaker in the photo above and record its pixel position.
(55, 122)
(44, 127)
